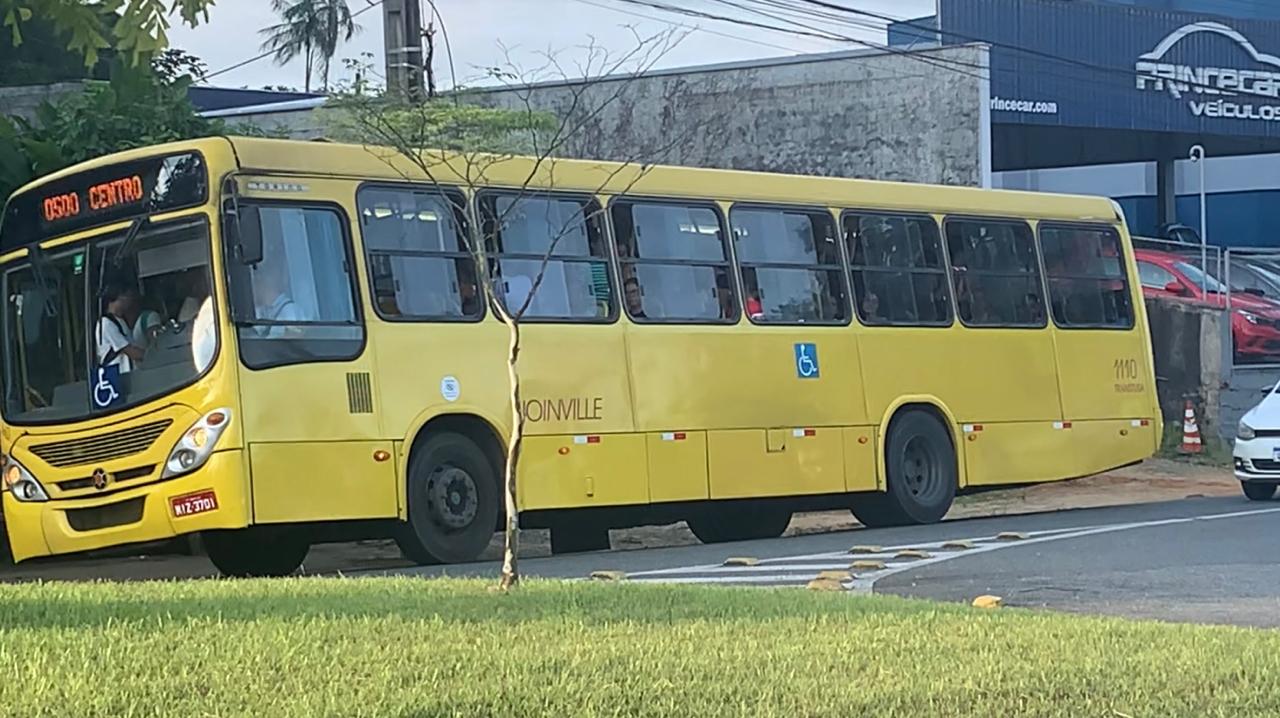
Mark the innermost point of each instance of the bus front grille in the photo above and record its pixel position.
(102, 517)
(101, 447)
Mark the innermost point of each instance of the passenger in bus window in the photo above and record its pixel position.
(469, 295)
(871, 307)
(635, 300)
(755, 308)
(274, 303)
(196, 291)
(113, 334)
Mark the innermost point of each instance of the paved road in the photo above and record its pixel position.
(1207, 560)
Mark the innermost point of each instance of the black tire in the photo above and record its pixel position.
(256, 551)
(579, 537)
(920, 461)
(1258, 492)
(454, 497)
(719, 523)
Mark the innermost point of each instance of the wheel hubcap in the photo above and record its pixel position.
(922, 470)
(451, 497)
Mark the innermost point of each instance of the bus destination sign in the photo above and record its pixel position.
(102, 196)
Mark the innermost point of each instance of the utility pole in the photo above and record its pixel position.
(402, 37)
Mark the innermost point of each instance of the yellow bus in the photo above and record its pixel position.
(277, 343)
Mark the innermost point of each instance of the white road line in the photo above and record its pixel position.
(799, 569)
(865, 585)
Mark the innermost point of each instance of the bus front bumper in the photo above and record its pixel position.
(215, 496)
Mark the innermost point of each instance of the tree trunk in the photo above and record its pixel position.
(306, 86)
(510, 568)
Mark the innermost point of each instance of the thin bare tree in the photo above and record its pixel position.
(468, 134)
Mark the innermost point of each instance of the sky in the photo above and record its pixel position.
(485, 33)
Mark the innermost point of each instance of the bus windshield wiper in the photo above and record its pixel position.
(130, 238)
(121, 251)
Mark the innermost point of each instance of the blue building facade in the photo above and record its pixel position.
(1109, 96)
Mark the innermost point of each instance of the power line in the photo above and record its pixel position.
(1108, 69)
(372, 4)
(808, 31)
(939, 62)
(695, 28)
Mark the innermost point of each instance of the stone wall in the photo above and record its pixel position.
(23, 101)
(1192, 348)
(853, 114)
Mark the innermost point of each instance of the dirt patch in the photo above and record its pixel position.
(1155, 480)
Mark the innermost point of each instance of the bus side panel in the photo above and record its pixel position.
(1097, 446)
(775, 462)
(678, 466)
(1104, 374)
(984, 375)
(861, 468)
(320, 481)
(573, 379)
(1016, 452)
(575, 471)
(735, 377)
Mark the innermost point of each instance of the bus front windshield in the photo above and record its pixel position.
(106, 324)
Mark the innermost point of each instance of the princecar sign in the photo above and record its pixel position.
(1245, 87)
(1115, 66)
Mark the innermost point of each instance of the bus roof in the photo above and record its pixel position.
(360, 162)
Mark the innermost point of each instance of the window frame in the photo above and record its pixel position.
(465, 209)
(730, 261)
(492, 258)
(1124, 267)
(953, 314)
(357, 307)
(840, 268)
(1035, 246)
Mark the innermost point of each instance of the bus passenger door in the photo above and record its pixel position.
(306, 380)
(1103, 353)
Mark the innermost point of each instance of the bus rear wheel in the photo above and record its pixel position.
(921, 465)
(256, 551)
(453, 498)
(719, 523)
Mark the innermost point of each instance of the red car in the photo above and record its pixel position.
(1255, 321)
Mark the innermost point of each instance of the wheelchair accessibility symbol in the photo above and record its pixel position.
(104, 392)
(807, 361)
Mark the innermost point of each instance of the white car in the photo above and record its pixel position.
(1257, 450)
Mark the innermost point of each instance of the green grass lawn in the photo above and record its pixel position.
(408, 647)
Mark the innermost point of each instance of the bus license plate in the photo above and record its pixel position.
(194, 503)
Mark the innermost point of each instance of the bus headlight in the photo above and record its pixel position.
(196, 444)
(19, 482)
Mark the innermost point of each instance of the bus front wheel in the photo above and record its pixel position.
(256, 551)
(453, 498)
(920, 462)
(738, 522)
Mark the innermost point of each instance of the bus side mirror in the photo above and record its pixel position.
(247, 227)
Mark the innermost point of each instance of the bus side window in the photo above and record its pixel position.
(677, 257)
(560, 237)
(996, 273)
(1088, 286)
(419, 264)
(790, 266)
(899, 276)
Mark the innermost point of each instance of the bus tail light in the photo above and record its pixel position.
(19, 482)
(196, 444)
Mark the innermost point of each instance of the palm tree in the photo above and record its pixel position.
(312, 30)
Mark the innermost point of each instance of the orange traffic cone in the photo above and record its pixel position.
(1191, 443)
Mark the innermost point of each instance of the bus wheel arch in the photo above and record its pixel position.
(920, 459)
(452, 481)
